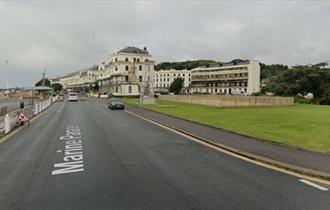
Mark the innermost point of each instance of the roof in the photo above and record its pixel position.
(42, 88)
(134, 50)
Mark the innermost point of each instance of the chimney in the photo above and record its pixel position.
(145, 48)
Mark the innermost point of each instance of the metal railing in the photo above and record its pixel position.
(8, 121)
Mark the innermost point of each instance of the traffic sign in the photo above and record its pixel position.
(22, 118)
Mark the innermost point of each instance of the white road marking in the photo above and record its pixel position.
(313, 185)
(326, 182)
(73, 160)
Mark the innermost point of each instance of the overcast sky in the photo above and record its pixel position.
(67, 36)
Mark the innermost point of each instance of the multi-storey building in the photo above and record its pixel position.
(244, 76)
(126, 71)
(81, 79)
(163, 79)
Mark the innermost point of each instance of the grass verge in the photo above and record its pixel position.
(300, 126)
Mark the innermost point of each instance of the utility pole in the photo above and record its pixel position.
(7, 62)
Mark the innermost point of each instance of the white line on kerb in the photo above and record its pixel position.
(313, 185)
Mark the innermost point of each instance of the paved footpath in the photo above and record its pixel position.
(299, 159)
(81, 155)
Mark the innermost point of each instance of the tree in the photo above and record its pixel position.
(303, 79)
(57, 87)
(40, 82)
(184, 64)
(176, 85)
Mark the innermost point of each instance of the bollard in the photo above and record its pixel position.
(7, 124)
(39, 107)
(36, 109)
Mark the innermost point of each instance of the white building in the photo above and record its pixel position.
(163, 78)
(223, 79)
(81, 79)
(127, 70)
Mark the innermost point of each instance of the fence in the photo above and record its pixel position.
(229, 101)
(8, 122)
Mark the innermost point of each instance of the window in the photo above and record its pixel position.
(134, 59)
(168, 79)
(140, 67)
(174, 74)
(126, 78)
(126, 68)
(116, 59)
(140, 78)
(129, 89)
(138, 60)
(126, 59)
(116, 68)
(183, 75)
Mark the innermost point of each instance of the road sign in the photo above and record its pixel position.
(22, 118)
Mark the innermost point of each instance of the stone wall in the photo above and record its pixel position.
(230, 101)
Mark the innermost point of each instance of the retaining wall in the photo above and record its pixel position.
(230, 101)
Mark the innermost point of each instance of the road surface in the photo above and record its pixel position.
(80, 155)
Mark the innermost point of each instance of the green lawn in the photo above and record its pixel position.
(303, 126)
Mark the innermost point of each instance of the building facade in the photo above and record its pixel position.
(81, 79)
(244, 76)
(163, 78)
(127, 71)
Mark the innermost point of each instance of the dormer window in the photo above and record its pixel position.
(126, 59)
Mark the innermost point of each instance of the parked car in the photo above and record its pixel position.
(237, 92)
(73, 96)
(116, 103)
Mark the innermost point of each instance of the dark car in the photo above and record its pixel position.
(116, 103)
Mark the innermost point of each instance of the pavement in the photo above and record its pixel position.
(81, 155)
(13, 104)
(297, 159)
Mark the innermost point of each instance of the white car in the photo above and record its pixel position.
(73, 96)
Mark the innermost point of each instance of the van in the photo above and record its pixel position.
(73, 96)
(237, 92)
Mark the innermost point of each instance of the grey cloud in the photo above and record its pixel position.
(68, 36)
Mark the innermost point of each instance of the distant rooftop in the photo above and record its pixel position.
(42, 88)
(236, 63)
(134, 50)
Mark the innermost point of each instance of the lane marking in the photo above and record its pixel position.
(313, 185)
(59, 151)
(256, 162)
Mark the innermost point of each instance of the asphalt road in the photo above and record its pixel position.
(80, 155)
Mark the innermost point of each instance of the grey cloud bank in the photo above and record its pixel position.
(67, 36)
